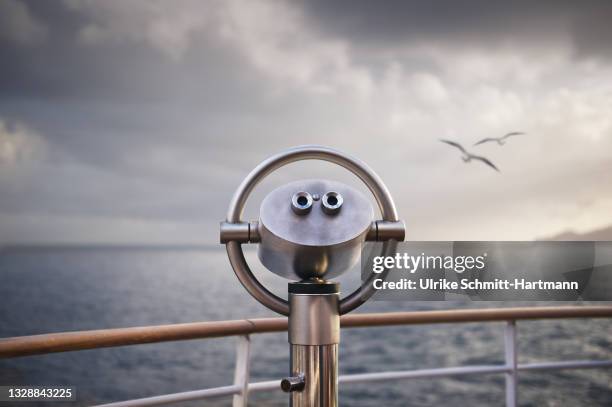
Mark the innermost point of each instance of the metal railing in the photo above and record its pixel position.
(241, 388)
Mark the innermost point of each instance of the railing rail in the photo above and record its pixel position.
(103, 338)
(70, 341)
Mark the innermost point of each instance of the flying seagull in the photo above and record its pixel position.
(500, 140)
(467, 157)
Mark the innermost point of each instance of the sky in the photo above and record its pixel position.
(132, 122)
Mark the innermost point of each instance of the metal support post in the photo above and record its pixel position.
(242, 369)
(314, 334)
(511, 363)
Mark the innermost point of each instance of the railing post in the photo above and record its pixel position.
(511, 363)
(242, 369)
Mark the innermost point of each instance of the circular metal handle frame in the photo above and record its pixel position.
(360, 169)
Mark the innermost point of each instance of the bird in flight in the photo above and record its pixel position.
(467, 157)
(500, 140)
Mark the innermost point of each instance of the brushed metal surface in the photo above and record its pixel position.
(314, 244)
(314, 319)
(319, 365)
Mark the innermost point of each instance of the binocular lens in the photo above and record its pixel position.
(331, 203)
(301, 203)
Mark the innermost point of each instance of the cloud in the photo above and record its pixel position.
(468, 24)
(286, 50)
(151, 113)
(18, 145)
(428, 88)
(166, 26)
(18, 25)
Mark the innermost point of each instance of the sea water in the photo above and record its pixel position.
(46, 290)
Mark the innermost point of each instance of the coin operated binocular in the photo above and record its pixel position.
(310, 231)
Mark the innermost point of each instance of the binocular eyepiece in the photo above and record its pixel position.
(302, 202)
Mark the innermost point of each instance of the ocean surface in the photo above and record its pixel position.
(46, 290)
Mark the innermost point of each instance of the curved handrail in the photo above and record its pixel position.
(102, 338)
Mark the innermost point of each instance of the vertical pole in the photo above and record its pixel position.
(511, 363)
(317, 365)
(314, 335)
(242, 369)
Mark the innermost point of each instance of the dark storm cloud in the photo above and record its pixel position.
(475, 23)
(157, 128)
(103, 102)
(63, 68)
(128, 131)
(110, 104)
